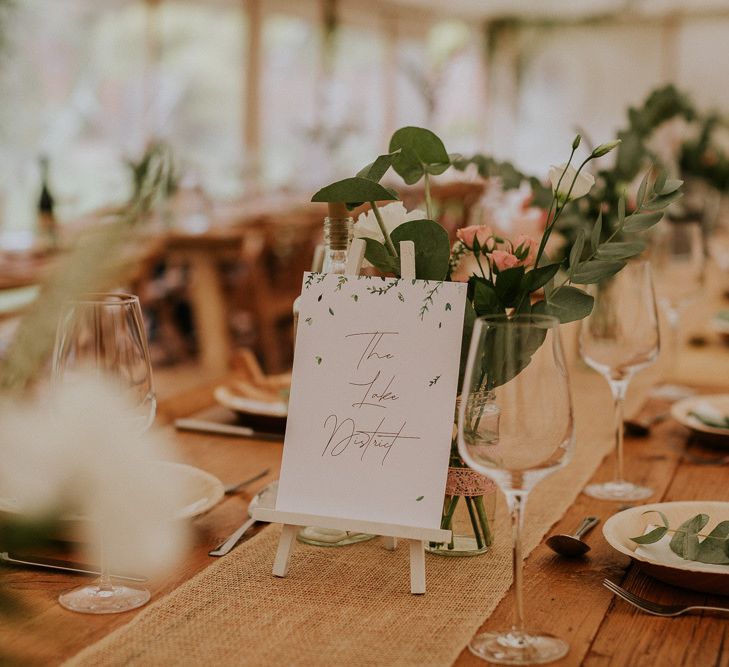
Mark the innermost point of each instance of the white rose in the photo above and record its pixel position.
(393, 215)
(720, 139)
(582, 185)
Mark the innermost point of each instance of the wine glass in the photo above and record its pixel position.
(105, 333)
(679, 260)
(619, 338)
(515, 426)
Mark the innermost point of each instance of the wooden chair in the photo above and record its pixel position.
(275, 259)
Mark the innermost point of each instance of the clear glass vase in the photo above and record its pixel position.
(330, 537)
(469, 507)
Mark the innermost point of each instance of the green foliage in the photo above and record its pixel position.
(420, 152)
(377, 255)
(569, 304)
(713, 548)
(354, 192)
(374, 171)
(432, 249)
(507, 351)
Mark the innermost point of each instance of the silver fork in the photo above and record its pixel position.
(654, 607)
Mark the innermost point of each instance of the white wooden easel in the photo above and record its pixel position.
(390, 532)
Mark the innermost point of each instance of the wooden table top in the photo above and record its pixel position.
(563, 597)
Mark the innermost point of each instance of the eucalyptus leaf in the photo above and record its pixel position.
(639, 222)
(377, 255)
(356, 190)
(432, 247)
(596, 233)
(620, 250)
(713, 548)
(685, 542)
(651, 537)
(485, 299)
(420, 150)
(374, 171)
(640, 199)
(508, 284)
(671, 185)
(660, 180)
(539, 277)
(567, 304)
(655, 534)
(621, 211)
(576, 252)
(508, 351)
(664, 200)
(595, 270)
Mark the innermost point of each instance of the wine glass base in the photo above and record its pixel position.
(518, 648)
(91, 599)
(618, 491)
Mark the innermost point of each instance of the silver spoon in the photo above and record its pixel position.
(572, 545)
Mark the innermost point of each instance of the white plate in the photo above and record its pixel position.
(664, 564)
(232, 401)
(681, 412)
(201, 492)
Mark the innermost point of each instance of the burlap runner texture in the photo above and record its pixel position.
(348, 605)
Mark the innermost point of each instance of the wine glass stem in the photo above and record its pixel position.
(619, 389)
(104, 582)
(674, 319)
(516, 503)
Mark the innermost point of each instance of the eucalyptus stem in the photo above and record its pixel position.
(388, 241)
(591, 256)
(484, 521)
(474, 522)
(428, 200)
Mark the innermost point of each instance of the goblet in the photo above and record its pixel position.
(678, 259)
(105, 333)
(619, 338)
(518, 435)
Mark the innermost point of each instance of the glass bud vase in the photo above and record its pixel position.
(469, 507)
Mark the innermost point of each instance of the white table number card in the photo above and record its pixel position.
(372, 399)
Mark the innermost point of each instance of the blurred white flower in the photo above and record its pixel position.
(509, 211)
(393, 215)
(72, 450)
(666, 140)
(720, 139)
(582, 185)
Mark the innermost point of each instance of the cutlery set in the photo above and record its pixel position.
(569, 546)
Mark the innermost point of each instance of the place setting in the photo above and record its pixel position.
(426, 368)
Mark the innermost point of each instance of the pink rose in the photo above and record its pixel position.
(484, 235)
(526, 244)
(502, 259)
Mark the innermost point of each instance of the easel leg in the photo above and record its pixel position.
(417, 567)
(283, 553)
(390, 543)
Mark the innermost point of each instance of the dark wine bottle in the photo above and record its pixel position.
(46, 216)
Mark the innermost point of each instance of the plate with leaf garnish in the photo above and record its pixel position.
(683, 543)
(706, 416)
(255, 396)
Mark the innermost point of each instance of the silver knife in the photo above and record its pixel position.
(204, 426)
(63, 565)
(235, 537)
